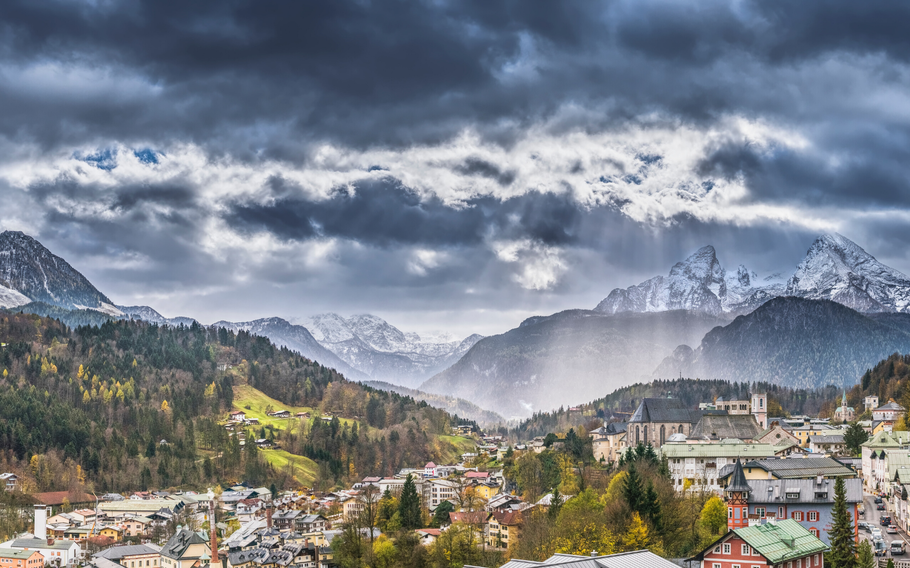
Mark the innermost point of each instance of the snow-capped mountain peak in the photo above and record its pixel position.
(384, 352)
(835, 268)
(838, 269)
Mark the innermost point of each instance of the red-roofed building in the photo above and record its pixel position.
(429, 470)
(428, 536)
(477, 474)
(504, 529)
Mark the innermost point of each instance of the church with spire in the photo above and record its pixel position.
(844, 413)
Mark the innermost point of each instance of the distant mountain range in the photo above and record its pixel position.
(385, 353)
(835, 268)
(839, 312)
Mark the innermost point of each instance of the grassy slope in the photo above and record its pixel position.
(451, 448)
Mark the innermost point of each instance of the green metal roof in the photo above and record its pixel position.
(15, 554)
(781, 541)
(740, 450)
(888, 439)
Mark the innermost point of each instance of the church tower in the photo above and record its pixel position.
(760, 409)
(736, 495)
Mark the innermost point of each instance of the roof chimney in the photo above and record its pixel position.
(41, 521)
(593, 554)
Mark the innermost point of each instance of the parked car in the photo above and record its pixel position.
(897, 547)
(863, 526)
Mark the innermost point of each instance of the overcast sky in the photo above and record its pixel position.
(445, 165)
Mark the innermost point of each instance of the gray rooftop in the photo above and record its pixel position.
(668, 410)
(774, 490)
(636, 559)
(717, 427)
(118, 552)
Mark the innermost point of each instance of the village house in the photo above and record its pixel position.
(13, 558)
(503, 529)
(185, 549)
(10, 481)
(698, 466)
(442, 490)
(795, 468)
(609, 441)
(780, 543)
(890, 412)
(656, 419)
(831, 444)
(874, 456)
(133, 555)
(238, 416)
(776, 434)
(810, 502)
(714, 427)
(870, 403)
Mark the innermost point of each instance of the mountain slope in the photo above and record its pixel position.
(795, 342)
(834, 268)
(296, 338)
(455, 406)
(29, 268)
(382, 351)
(566, 358)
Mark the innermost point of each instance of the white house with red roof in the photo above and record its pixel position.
(429, 470)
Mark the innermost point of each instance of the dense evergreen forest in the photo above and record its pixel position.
(130, 405)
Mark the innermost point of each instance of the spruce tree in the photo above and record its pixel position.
(409, 505)
(866, 558)
(632, 489)
(843, 547)
(651, 507)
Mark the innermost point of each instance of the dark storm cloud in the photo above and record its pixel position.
(260, 79)
(386, 213)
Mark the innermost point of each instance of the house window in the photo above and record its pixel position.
(797, 516)
(760, 511)
(745, 550)
(727, 548)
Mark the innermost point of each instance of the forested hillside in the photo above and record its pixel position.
(129, 405)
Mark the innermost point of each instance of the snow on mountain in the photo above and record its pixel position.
(834, 268)
(384, 352)
(27, 267)
(697, 283)
(145, 313)
(295, 337)
(10, 298)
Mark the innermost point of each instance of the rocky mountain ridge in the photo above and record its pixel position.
(380, 350)
(834, 268)
(30, 271)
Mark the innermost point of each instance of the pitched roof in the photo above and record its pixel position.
(469, 517)
(781, 541)
(883, 439)
(716, 427)
(57, 497)
(507, 518)
(180, 542)
(797, 468)
(776, 490)
(118, 552)
(667, 410)
(891, 405)
(726, 450)
(830, 439)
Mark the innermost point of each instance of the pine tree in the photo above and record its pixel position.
(409, 505)
(843, 548)
(651, 506)
(632, 489)
(866, 558)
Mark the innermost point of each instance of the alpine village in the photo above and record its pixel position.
(126, 443)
